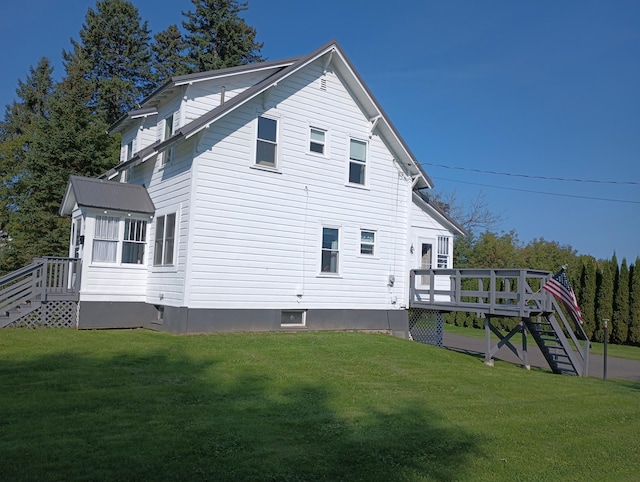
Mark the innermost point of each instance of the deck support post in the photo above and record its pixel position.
(488, 359)
(525, 354)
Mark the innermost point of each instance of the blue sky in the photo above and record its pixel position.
(538, 88)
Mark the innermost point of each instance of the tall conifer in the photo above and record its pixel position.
(633, 337)
(604, 299)
(586, 295)
(217, 37)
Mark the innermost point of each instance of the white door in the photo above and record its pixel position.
(424, 261)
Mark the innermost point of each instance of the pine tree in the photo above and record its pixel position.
(115, 49)
(16, 138)
(633, 337)
(586, 295)
(217, 37)
(604, 299)
(169, 54)
(620, 318)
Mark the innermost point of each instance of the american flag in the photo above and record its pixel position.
(560, 287)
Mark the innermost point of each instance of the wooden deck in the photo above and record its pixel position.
(495, 292)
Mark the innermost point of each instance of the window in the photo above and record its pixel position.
(316, 140)
(267, 143)
(292, 317)
(367, 242)
(124, 175)
(168, 132)
(330, 251)
(164, 240)
(105, 239)
(443, 252)
(357, 161)
(129, 150)
(135, 237)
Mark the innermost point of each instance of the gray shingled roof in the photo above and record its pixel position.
(98, 193)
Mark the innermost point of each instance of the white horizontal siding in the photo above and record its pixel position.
(256, 235)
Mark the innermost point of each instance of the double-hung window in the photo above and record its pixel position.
(330, 250)
(135, 237)
(105, 239)
(168, 132)
(164, 240)
(317, 141)
(267, 142)
(443, 252)
(367, 242)
(357, 161)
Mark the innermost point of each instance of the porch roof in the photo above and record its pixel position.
(102, 194)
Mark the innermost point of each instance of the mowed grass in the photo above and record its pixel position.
(138, 405)
(618, 351)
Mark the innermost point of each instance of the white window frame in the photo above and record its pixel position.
(116, 237)
(136, 236)
(362, 164)
(337, 250)
(168, 130)
(163, 241)
(284, 322)
(443, 256)
(363, 243)
(324, 142)
(106, 231)
(258, 140)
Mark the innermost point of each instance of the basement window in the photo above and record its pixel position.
(293, 318)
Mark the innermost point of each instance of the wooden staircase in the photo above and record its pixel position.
(508, 293)
(44, 283)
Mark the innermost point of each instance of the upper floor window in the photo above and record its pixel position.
(129, 150)
(168, 131)
(267, 142)
(443, 252)
(367, 242)
(357, 161)
(164, 240)
(330, 250)
(317, 140)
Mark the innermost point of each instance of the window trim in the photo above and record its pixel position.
(325, 143)
(162, 263)
(364, 163)
(276, 159)
(443, 253)
(330, 274)
(167, 155)
(119, 240)
(374, 244)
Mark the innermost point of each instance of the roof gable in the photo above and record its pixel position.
(98, 193)
(334, 58)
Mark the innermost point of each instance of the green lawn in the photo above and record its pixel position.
(619, 351)
(138, 405)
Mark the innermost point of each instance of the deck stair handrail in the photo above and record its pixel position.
(49, 278)
(511, 293)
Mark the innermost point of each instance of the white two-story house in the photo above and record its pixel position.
(271, 196)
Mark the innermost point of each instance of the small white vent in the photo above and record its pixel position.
(323, 84)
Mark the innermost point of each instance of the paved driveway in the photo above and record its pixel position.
(616, 367)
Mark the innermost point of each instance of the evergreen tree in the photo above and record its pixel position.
(217, 37)
(116, 42)
(604, 299)
(586, 295)
(633, 337)
(70, 140)
(16, 137)
(169, 54)
(620, 318)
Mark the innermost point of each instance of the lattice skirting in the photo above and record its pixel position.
(426, 326)
(50, 314)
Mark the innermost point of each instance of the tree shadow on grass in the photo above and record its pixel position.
(168, 417)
